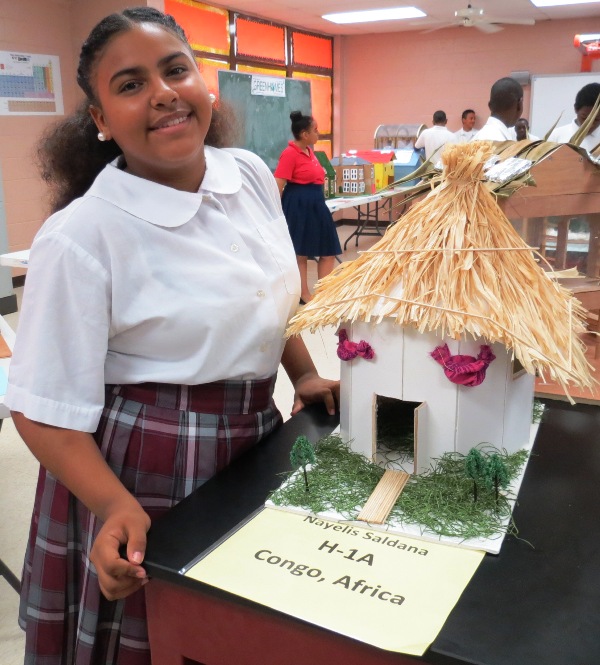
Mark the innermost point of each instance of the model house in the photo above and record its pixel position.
(454, 337)
(404, 391)
(354, 176)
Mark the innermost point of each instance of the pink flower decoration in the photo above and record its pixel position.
(347, 350)
(464, 370)
(365, 350)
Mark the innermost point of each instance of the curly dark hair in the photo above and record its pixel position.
(70, 156)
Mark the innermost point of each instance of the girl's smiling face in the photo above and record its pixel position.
(153, 102)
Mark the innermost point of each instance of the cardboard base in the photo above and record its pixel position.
(491, 545)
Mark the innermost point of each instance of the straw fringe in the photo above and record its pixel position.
(455, 265)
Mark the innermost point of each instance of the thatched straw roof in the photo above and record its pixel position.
(455, 265)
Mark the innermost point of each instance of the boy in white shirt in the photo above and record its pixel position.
(436, 137)
(506, 106)
(468, 131)
(584, 102)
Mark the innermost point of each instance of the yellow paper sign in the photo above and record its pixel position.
(389, 591)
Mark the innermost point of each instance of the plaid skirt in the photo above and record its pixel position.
(162, 441)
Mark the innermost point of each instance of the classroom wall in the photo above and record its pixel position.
(393, 78)
(52, 27)
(30, 26)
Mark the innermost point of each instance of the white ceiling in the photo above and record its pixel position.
(307, 13)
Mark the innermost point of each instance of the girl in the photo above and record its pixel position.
(150, 333)
(300, 179)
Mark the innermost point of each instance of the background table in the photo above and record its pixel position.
(15, 259)
(537, 603)
(371, 210)
(9, 336)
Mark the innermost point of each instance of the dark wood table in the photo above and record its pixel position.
(536, 603)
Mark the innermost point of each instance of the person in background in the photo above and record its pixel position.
(521, 131)
(435, 138)
(151, 331)
(300, 178)
(467, 131)
(506, 106)
(584, 102)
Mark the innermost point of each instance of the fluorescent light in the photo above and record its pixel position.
(368, 15)
(582, 39)
(560, 3)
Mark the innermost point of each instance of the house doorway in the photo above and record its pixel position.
(396, 433)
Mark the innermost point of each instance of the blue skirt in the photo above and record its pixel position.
(310, 223)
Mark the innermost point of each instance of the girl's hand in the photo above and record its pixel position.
(311, 388)
(74, 458)
(120, 577)
(308, 385)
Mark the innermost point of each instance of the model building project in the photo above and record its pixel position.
(443, 325)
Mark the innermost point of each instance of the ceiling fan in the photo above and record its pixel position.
(475, 17)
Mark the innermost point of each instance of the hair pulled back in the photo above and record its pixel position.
(300, 123)
(70, 155)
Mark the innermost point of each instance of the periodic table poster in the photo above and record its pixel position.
(30, 84)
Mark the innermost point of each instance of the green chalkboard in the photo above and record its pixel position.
(264, 121)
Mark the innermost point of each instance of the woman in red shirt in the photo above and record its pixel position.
(300, 178)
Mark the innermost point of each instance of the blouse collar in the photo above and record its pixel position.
(161, 205)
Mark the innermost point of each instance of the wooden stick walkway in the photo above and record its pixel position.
(383, 497)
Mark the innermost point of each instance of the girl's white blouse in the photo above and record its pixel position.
(137, 282)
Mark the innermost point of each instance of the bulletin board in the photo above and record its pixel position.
(553, 96)
(262, 106)
(30, 84)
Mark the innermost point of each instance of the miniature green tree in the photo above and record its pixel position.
(302, 453)
(474, 468)
(496, 474)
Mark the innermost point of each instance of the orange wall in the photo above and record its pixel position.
(394, 78)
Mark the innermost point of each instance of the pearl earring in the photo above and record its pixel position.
(101, 136)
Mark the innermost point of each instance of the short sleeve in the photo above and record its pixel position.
(56, 373)
(286, 165)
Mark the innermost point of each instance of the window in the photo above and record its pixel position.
(209, 69)
(311, 50)
(224, 39)
(206, 27)
(259, 40)
(321, 92)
